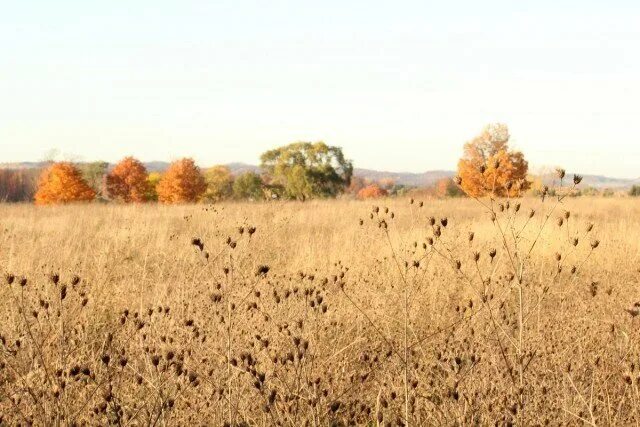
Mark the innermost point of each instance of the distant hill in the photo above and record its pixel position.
(596, 181)
(410, 179)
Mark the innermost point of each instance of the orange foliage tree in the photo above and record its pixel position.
(372, 191)
(62, 183)
(127, 182)
(182, 183)
(489, 167)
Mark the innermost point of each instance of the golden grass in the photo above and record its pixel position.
(351, 324)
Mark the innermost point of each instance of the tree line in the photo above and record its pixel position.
(298, 171)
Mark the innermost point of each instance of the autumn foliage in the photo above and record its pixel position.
(372, 191)
(62, 183)
(446, 187)
(219, 183)
(488, 166)
(127, 182)
(182, 183)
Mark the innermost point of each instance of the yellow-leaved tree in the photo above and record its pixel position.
(62, 183)
(219, 183)
(488, 166)
(181, 183)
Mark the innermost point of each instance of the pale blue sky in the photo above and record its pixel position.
(401, 85)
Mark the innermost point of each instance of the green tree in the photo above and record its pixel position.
(248, 186)
(219, 183)
(94, 174)
(153, 179)
(306, 170)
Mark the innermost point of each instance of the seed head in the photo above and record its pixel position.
(197, 242)
(262, 270)
(577, 179)
(55, 278)
(561, 173)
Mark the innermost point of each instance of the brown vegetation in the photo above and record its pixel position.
(437, 313)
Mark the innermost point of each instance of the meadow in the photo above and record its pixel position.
(386, 312)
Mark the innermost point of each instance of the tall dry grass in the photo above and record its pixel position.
(321, 313)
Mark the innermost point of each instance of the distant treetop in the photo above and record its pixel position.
(307, 170)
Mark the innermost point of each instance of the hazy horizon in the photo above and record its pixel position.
(400, 87)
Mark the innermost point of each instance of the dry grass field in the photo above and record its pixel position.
(321, 313)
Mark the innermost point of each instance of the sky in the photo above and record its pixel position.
(400, 85)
